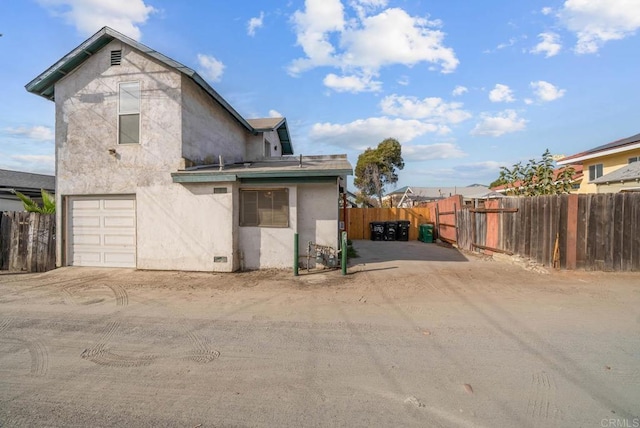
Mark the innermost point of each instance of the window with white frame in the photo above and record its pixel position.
(264, 207)
(595, 171)
(129, 113)
(634, 159)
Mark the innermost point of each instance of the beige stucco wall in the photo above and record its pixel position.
(609, 164)
(209, 131)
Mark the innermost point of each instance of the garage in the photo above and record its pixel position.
(102, 231)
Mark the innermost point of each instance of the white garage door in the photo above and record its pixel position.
(102, 231)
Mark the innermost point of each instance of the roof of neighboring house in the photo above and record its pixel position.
(303, 168)
(618, 146)
(576, 177)
(44, 84)
(630, 172)
(475, 191)
(26, 180)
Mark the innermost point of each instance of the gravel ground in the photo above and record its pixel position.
(415, 335)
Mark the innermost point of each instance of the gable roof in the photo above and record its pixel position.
(44, 84)
(19, 179)
(630, 172)
(617, 146)
(278, 124)
(474, 191)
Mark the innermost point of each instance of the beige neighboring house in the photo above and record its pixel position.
(612, 167)
(155, 170)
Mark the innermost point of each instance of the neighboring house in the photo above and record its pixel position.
(625, 179)
(155, 170)
(601, 161)
(353, 202)
(575, 183)
(24, 182)
(410, 196)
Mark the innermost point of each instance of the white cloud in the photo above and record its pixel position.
(596, 22)
(360, 45)
(404, 81)
(210, 67)
(38, 133)
(431, 151)
(503, 123)
(42, 164)
(549, 45)
(88, 16)
(459, 90)
(430, 109)
(501, 94)
(275, 113)
(254, 24)
(528, 101)
(546, 10)
(352, 83)
(545, 91)
(361, 133)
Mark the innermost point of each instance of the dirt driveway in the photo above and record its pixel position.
(415, 335)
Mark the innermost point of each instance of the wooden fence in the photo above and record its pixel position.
(358, 219)
(27, 242)
(591, 232)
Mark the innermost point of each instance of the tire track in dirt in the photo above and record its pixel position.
(38, 353)
(101, 355)
(541, 405)
(5, 323)
(70, 293)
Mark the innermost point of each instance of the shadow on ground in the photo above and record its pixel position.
(386, 251)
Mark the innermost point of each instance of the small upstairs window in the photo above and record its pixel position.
(129, 113)
(595, 171)
(634, 159)
(116, 57)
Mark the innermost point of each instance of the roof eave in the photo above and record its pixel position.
(621, 149)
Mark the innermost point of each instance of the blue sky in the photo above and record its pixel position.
(465, 86)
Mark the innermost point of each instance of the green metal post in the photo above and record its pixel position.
(295, 254)
(344, 253)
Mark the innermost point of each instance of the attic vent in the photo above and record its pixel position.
(116, 57)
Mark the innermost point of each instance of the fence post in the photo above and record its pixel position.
(344, 253)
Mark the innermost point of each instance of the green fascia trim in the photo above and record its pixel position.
(202, 178)
(291, 180)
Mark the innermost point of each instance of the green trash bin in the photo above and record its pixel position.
(425, 233)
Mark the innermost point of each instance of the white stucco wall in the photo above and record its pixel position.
(86, 128)
(313, 214)
(208, 130)
(186, 227)
(178, 226)
(255, 146)
(269, 247)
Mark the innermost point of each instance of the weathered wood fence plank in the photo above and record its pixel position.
(27, 242)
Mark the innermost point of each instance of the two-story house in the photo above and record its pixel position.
(155, 170)
(609, 168)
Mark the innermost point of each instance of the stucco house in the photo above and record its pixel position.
(155, 170)
(27, 183)
(602, 164)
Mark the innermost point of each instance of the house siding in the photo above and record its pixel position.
(609, 163)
